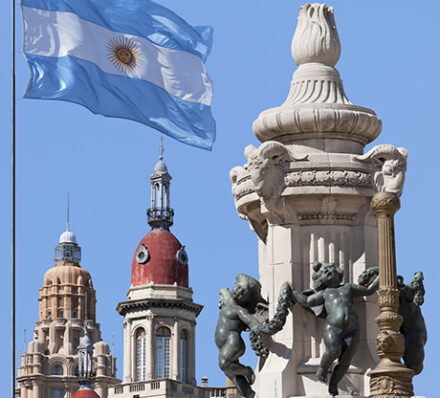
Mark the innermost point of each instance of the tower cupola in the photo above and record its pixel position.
(160, 258)
(67, 249)
(160, 214)
(85, 361)
(85, 367)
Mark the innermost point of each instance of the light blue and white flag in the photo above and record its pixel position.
(132, 59)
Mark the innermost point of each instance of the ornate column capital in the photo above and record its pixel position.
(385, 203)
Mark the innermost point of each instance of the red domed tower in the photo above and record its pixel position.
(159, 315)
(160, 258)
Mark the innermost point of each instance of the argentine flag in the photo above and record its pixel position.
(132, 59)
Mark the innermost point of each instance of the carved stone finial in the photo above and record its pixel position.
(316, 38)
(317, 102)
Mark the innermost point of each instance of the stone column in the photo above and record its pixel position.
(24, 391)
(390, 376)
(127, 352)
(36, 390)
(150, 348)
(175, 351)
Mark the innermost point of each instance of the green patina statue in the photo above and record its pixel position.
(239, 312)
(243, 309)
(413, 327)
(341, 330)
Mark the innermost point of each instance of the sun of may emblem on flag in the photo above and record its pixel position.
(132, 59)
(124, 53)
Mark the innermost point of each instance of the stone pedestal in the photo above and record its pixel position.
(306, 192)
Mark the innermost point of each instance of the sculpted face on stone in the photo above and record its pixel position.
(267, 167)
(389, 174)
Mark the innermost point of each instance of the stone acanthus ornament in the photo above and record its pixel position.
(389, 173)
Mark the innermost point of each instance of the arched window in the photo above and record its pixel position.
(183, 356)
(140, 355)
(163, 336)
(57, 370)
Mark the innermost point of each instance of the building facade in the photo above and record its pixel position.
(67, 307)
(159, 313)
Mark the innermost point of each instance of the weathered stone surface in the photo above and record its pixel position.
(309, 200)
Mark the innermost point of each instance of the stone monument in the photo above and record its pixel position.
(306, 192)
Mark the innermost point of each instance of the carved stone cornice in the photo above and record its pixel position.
(326, 217)
(350, 122)
(242, 184)
(144, 304)
(353, 178)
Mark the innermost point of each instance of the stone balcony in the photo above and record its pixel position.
(167, 388)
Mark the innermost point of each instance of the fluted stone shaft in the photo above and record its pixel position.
(390, 378)
(386, 205)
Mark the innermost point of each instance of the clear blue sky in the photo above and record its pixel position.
(390, 61)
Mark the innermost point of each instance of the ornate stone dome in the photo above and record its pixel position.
(85, 394)
(71, 281)
(67, 237)
(160, 258)
(70, 273)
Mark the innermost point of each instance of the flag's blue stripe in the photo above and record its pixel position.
(75, 80)
(137, 17)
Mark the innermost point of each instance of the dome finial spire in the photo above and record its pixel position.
(160, 214)
(68, 212)
(161, 148)
(67, 249)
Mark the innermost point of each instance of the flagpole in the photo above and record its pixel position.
(13, 205)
